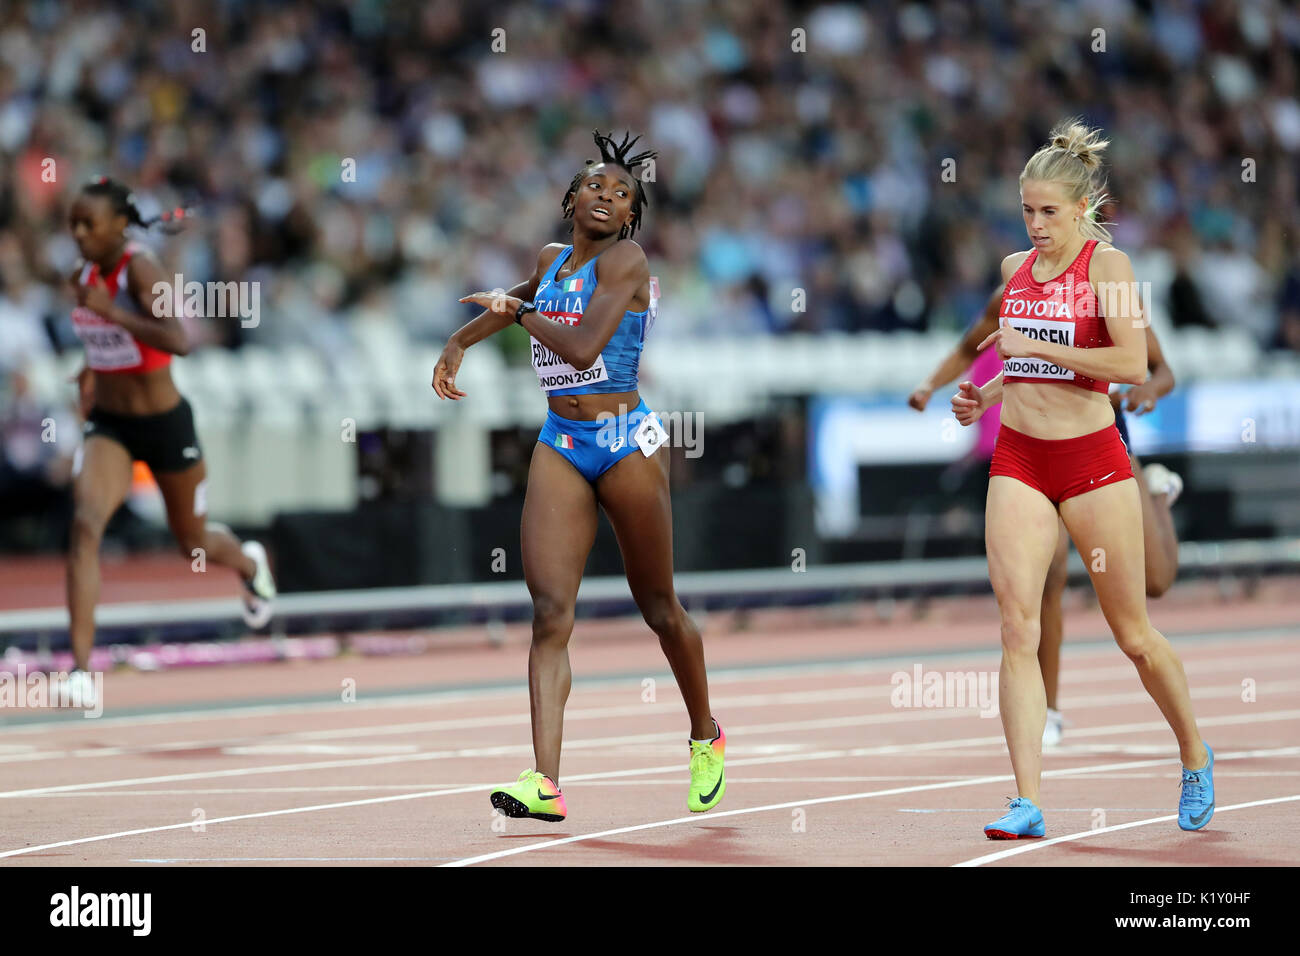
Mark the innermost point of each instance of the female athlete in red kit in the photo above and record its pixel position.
(1070, 324)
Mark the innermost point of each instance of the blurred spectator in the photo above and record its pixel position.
(331, 144)
(37, 449)
(1186, 304)
(1288, 307)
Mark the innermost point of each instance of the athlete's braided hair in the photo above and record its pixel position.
(123, 202)
(612, 152)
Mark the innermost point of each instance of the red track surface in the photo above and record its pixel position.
(38, 581)
(822, 768)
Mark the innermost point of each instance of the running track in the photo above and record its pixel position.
(267, 765)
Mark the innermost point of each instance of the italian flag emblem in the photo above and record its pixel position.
(564, 441)
(573, 285)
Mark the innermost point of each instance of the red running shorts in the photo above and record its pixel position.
(1064, 467)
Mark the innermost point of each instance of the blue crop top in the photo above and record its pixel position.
(565, 300)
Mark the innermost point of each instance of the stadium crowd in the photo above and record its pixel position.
(867, 155)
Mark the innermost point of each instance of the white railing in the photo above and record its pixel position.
(610, 595)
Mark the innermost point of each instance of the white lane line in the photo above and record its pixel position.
(287, 742)
(269, 745)
(282, 743)
(1082, 834)
(777, 671)
(520, 716)
(434, 698)
(903, 749)
(714, 815)
(255, 750)
(476, 788)
(641, 771)
(1044, 809)
(675, 781)
(255, 791)
(296, 859)
(415, 796)
(190, 823)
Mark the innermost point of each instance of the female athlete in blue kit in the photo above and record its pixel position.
(588, 307)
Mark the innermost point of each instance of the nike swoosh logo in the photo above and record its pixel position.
(1102, 478)
(714, 792)
(1197, 821)
(544, 796)
(1007, 295)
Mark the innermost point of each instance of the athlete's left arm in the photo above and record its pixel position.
(1125, 361)
(1143, 398)
(144, 274)
(1162, 376)
(623, 271)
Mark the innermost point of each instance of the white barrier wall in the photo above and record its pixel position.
(273, 423)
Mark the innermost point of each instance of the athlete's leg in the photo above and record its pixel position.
(1021, 532)
(557, 532)
(1105, 523)
(1051, 621)
(187, 518)
(634, 494)
(98, 491)
(1161, 540)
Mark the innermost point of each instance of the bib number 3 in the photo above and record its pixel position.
(650, 434)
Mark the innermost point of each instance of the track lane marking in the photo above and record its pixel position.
(266, 743)
(1082, 834)
(713, 815)
(916, 748)
(784, 758)
(732, 674)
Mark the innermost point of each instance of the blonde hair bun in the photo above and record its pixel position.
(1085, 145)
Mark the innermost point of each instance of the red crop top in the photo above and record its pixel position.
(109, 347)
(1062, 310)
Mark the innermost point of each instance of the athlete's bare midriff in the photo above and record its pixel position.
(588, 408)
(1054, 409)
(136, 393)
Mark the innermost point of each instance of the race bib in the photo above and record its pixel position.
(1041, 330)
(553, 372)
(108, 346)
(649, 434)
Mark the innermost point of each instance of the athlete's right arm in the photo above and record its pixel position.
(961, 357)
(85, 377)
(971, 402)
(487, 323)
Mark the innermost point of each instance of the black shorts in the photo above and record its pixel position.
(165, 442)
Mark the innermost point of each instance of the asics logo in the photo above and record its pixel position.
(615, 445)
(712, 793)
